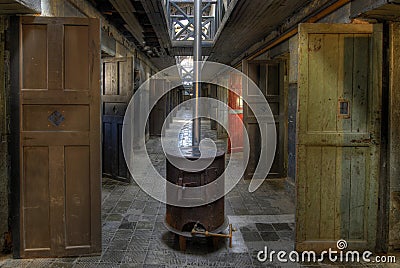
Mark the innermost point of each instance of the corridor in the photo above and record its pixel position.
(152, 133)
(134, 234)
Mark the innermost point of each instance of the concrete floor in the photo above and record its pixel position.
(134, 234)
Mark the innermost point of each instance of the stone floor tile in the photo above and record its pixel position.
(123, 234)
(251, 236)
(119, 244)
(134, 257)
(270, 236)
(57, 264)
(112, 256)
(90, 259)
(282, 227)
(264, 227)
(144, 225)
(155, 258)
(251, 227)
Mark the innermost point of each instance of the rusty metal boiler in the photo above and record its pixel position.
(208, 218)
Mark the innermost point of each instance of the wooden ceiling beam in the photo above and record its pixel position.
(20, 7)
(156, 15)
(126, 10)
(330, 9)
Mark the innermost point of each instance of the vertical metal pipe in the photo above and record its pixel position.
(196, 129)
(218, 15)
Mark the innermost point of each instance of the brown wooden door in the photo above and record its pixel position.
(60, 187)
(160, 110)
(118, 88)
(272, 83)
(340, 85)
(268, 76)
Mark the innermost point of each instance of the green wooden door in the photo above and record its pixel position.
(338, 135)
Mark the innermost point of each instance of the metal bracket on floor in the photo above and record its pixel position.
(196, 231)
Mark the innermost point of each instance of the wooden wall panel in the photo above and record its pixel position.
(36, 117)
(362, 48)
(328, 192)
(160, 110)
(358, 222)
(77, 189)
(394, 137)
(34, 57)
(36, 198)
(292, 114)
(76, 57)
(346, 76)
(110, 81)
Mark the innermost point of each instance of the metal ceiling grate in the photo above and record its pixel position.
(180, 16)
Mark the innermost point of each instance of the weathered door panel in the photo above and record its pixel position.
(267, 75)
(160, 110)
(273, 75)
(235, 119)
(213, 107)
(222, 111)
(60, 187)
(338, 135)
(118, 87)
(114, 164)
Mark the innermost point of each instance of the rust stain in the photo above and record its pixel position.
(316, 46)
(396, 200)
(7, 247)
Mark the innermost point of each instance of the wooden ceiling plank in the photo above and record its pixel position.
(132, 22)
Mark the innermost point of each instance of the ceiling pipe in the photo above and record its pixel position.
(197, 57)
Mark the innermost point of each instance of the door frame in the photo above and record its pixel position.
(14, 148)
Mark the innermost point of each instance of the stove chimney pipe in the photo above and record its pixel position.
(198, 36)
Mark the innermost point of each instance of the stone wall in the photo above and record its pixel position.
(4, 130)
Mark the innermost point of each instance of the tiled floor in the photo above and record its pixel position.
(134, 234)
